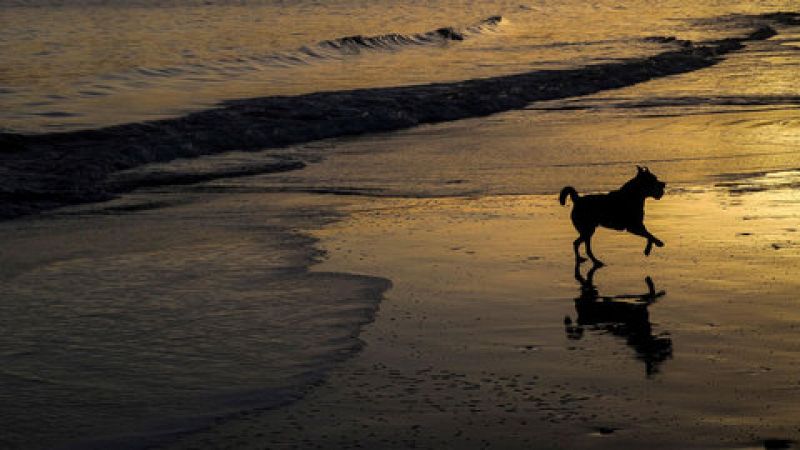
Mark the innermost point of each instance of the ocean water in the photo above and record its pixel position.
(138, 320)
(75, 64)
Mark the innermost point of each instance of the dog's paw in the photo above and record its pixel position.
(658, 243)
(648, 248)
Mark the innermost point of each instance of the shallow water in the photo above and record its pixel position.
(123, 326)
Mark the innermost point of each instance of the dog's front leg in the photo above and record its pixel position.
(650, 241)
(640, 230)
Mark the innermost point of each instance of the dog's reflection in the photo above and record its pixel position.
(626, 316)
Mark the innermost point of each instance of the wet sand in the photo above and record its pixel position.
(472, 347)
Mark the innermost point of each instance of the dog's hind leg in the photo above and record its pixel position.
(575, 245)
(595, 261)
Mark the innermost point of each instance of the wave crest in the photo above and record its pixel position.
(355, 44)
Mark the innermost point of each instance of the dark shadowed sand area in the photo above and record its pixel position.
(155, 315)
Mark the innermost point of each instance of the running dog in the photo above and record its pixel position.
(622, 209)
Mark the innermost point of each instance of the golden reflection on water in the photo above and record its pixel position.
(85, 66)
(530, 236)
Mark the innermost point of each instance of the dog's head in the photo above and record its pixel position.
(649, 183)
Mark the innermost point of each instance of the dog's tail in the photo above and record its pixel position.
(569, 190)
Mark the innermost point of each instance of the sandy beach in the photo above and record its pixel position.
(470, 347)
(451, 315)
(483, 336)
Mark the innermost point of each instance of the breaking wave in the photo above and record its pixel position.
(393, 41)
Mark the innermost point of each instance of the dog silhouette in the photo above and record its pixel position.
(622, 209)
